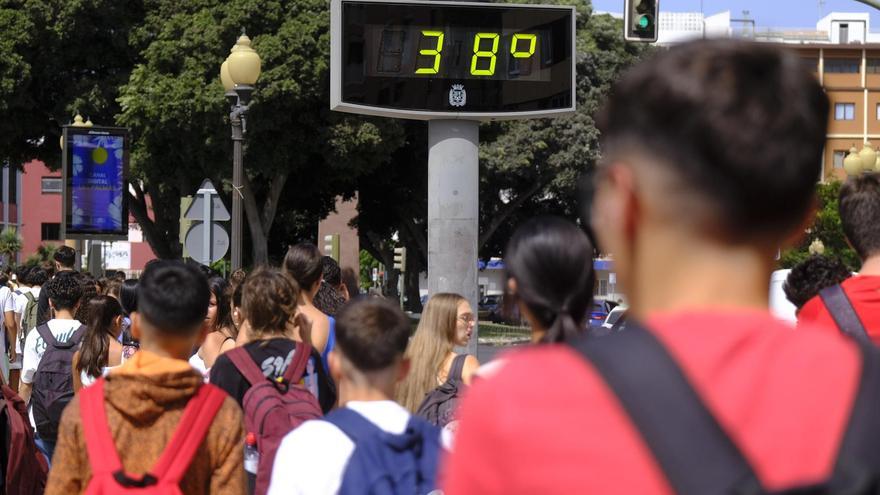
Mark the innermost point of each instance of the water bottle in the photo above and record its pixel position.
(312, 377)
(251, 461)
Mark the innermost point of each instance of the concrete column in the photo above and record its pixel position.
(453, 194)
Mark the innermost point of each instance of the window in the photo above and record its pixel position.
(844, 33)
(839, 155)
(603, 287)
(872, 66)
(844, 111)
(842, 65)
(50, 232)
(811, 63)
(51, 185)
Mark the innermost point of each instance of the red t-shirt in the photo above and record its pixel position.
(863, 292)
(545, 422)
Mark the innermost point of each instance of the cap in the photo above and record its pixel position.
(251, 439)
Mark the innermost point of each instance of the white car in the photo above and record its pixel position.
(614, 316)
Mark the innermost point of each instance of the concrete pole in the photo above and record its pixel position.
(237, 180)
(453, 195)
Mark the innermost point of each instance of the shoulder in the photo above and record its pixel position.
(314, 442)
(471, 365)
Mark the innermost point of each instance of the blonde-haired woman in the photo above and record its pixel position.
(448, 321)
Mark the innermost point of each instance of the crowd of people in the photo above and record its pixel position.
(287, 380)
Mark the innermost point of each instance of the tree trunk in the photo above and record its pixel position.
(508, 210)
(158, 242)
(260, 221)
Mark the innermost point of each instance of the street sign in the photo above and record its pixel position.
(196, 210)
(195, 243)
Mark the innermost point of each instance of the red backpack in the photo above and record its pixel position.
(108, 475)
(273, 408)
(26, 469)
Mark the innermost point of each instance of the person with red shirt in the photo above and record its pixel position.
(710, 154)
(859, 211)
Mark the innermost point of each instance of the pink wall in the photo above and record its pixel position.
(38, 208)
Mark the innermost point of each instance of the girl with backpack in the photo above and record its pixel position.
(100, 350)
(436, 373)
(280, 383)
(221, 331)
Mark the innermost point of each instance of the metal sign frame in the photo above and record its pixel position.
(68, 233)
(337, 104)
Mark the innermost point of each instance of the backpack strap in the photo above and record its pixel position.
(103, 457)
(175, 459)
(46, 334)
(353, 424)
(859, 457)
(840, 307)
(297, 366)
(456, 368)
(671, 418)
(198, 416)
(245, 365)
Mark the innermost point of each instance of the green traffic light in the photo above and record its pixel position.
(644, 22)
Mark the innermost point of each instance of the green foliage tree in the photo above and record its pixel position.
(826, 228)
(10, 244)
(175, 105)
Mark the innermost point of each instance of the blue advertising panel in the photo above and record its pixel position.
(96, 177)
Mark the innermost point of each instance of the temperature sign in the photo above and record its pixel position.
(442, 59)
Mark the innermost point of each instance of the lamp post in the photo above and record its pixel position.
(238, 73)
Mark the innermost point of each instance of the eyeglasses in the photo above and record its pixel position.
(467, 318)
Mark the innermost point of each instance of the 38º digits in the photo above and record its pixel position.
(485, 51)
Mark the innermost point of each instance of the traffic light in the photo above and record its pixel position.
(331, 246)
(400, 259)
(640, 20)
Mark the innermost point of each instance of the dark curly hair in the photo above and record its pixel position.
(64, 291)
(810, 276)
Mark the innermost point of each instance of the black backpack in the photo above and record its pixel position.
(439, 405)
(843, 313)
(53, 381)
(691, 448)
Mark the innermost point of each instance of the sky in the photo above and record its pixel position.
(766, 13)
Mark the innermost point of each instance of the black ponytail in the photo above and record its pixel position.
(95, 349)
(551, 260)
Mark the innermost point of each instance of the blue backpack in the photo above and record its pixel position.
(387, 464)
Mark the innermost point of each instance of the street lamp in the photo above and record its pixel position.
(238, 73)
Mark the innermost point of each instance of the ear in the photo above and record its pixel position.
(135, 325)
(404, 368)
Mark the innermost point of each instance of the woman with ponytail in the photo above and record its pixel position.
(100, 350)
(550, 277)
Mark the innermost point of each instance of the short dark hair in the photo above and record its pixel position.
(350, 279)
(810, 276)
(22, 274)
(859, 213)
(551, 260)
(37, 277)
(64, 291)
(65, 256)
(268, 300)
(304, 262)
(332, 273)
(740, 124)
(372, 333)
(173, 297)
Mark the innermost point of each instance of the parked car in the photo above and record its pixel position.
(490, 308)
(599, 313)
(618, 314)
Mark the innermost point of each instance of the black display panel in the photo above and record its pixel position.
(456, 58)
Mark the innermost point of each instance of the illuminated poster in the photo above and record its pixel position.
(96, 169)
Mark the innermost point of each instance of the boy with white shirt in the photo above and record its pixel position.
(64, 293)
(367, 364)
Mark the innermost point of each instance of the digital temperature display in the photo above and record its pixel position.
(442, 59)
